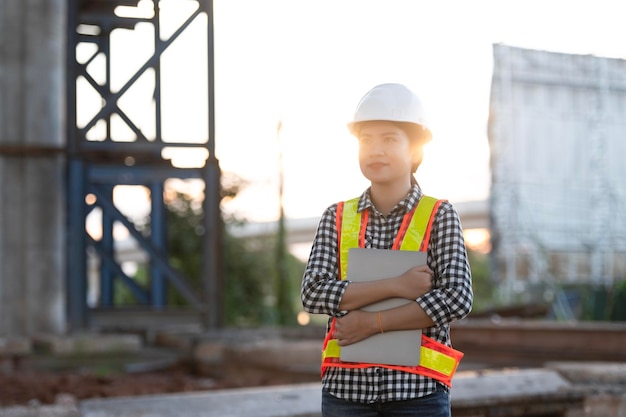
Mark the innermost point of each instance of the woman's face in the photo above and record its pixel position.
(385, 153)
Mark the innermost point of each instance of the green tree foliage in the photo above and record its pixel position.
(602, 303)
(618, 305)
(481, 281)
(250, 268)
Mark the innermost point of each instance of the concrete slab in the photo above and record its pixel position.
(543, 389)
(13, 349)
(278, 401)
(602, 383)
(15, 345)
(469, 388)
(87, 343)
(40, 411)
(594, 372)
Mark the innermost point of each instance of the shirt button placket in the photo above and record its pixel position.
(379, 372)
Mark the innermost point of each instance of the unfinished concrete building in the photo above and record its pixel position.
(557, 134)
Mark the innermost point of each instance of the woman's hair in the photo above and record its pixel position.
(418, 138)
(414, 132)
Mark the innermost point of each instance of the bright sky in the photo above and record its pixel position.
(307, 64)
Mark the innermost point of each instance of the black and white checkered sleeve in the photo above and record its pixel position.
(452, 296)
(322, 290)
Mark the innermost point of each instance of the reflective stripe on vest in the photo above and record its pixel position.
(437, 360)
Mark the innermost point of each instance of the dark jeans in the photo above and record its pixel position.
(436, 404)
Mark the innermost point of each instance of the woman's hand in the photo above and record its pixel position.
(415, 282)
(355, 326)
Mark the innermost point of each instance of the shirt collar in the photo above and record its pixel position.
(405, 205)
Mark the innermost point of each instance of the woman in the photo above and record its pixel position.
(391, 214)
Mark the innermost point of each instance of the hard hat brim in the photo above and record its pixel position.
(413, 130)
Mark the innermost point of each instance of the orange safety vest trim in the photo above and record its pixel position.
(437, 360)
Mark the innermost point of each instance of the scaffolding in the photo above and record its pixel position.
(111, 142)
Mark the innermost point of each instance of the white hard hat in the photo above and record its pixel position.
(394, 103)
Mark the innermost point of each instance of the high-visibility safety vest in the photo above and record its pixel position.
(437, 360)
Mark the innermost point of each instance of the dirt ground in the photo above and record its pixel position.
(45, 387)
(50, 388)
(44, 378)
(28, 384)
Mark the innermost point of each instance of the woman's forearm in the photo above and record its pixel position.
(361, 294)
(407, 317)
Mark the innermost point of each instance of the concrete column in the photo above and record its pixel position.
(32, 192)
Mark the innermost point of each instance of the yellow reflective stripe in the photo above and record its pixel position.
(437, 361)
(429, 358)
(332, 350)
(417, 227)
(350, 227)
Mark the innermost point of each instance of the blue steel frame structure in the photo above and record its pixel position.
(96, 167)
